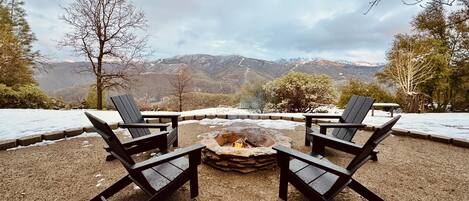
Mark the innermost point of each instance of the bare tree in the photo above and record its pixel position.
(408, 71)
(105, 32)
(181, 84)
(462, 3)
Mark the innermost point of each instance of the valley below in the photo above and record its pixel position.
(209, 74)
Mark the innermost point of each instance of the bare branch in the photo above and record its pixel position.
(107, 33)
(374, 3)
(408, 71)
(181, 84)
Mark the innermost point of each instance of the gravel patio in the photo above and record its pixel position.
(408, 169)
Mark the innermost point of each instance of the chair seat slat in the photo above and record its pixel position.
(182, 163)
(324, 183)
(168, 170)
(296, 165)
(309, 173)
(155, 179)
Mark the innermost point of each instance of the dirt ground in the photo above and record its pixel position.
(75, 169)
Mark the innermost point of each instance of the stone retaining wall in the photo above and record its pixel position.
(54, 135)
(28, 140)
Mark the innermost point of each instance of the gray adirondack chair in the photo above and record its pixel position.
(158, 176)
(136, 122)
(320, 179)
(350, 120)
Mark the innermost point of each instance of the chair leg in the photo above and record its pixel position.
(363, 191)
(116, 187)
(175, 143)
(318, 148)
(374, 156)
(308, 124)
(283, 188)
(283, 162)
(194, 181)
(110, 157)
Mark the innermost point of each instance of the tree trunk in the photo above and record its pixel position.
(99, 93)
(412, 103)
(180, 103)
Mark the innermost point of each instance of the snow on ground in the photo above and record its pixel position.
(16, 123)
(455, 125)
(22, 122)
(221, 110)
(208, 111)
(274, 124)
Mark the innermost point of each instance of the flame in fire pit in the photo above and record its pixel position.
(240, 143)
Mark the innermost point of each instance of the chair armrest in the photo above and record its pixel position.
(166, 157)
(323, 116)
(145, 138)
(342, 145)
(174, 118)
(160, 115)
(160, 140)
(324, 126)
(142, 125)
(341, 125)
(325, 165)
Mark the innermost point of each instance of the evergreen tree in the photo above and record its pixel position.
(17, 86)
(15, 61)
(21, 27)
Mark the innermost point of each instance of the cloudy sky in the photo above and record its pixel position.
(266, 29)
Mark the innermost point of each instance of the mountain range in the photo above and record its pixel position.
(211, 74)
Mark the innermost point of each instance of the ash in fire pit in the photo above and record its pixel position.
(244, 139)
(242, 149)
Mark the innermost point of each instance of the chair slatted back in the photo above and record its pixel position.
(348, 108)
(355, 112)
(377, 137)
(130, 113)
(103, 129)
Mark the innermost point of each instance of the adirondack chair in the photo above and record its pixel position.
(319, 179)
(135, 122)
(350, 120)
(158, 176)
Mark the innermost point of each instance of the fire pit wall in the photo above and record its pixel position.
(255, 154)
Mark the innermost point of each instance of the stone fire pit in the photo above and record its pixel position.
(242, 149)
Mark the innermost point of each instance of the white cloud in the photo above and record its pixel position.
(267, 29)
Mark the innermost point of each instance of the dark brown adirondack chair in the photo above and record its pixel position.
(135, 122)
(350, 120)
(319, 179)
(158, 176)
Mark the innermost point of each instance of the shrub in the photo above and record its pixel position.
(253, 96)
(358, 87)
(8, 97)
(300, 92)
(143, 105)
(91, 99)
(25, 96)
